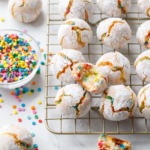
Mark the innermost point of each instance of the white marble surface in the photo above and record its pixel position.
(44, 139)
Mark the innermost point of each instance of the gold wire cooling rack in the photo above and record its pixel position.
(93, 122)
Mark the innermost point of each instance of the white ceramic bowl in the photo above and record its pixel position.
(34, 46)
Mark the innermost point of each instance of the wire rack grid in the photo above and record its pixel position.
(93, 122)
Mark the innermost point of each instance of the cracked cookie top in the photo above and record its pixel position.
(114, 33)
(115, 66)
(142, 66)
(73, 101)
(74, 34)
(118, 103)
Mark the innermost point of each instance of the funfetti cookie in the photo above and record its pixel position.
(82, 9)
(118, 103)
(106, 142)
(144, 101)
(143, 34)
(142, 66)
(72, 101)
(90, 77)
(74, 34)
(61, 64)
(114, 33)
(114, 8)
(144, 7)
(116, 66)
(15, 137)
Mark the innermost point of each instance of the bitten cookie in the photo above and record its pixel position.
(144, 101)
(142, 65)
(114, 33)
(115, 66)
(143, 34)
(114, 8)
(25, 10)
(82, 9)
(73, 101)
(118, 103)
(15, 137)
(90, 77)
(106, 142)
(144, 7)
(74, 34)
(62, 63)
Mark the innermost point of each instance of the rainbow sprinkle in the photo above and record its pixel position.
(17, 58)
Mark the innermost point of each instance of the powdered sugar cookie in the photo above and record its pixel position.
(73, 101)
(62, 63)
(142, 65)
(118, 103)
(144, 101)
(106, 142)
(90, 77)
(25, 10)
(144, 6)
(114, 32)
(114, 8)
(115, 66)
(82, 9)
(74, 34)
(15, 137)
(143, 34)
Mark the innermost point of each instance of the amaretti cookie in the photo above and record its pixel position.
(82, 9)
(118, 103)
(144, 101)
(61, 64)
(15, 137)
(143, 34)
(74, 34)
(144, 7)
(106, 142)
(114, 8)
(25, 10)
(73, 101)
(90, 77)
(115, 66)
(142, 65)
(114, 33)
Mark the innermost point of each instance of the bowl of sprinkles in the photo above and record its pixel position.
(19, 58)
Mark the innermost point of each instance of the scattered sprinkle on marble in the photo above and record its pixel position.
(19, 120)
(29, 117)
(33, 134)
(1, 100)
(33, 123)
(56, 87)
(39, 102)
(39, 89)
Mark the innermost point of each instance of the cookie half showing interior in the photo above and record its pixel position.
(90, 77)
(106, 142)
